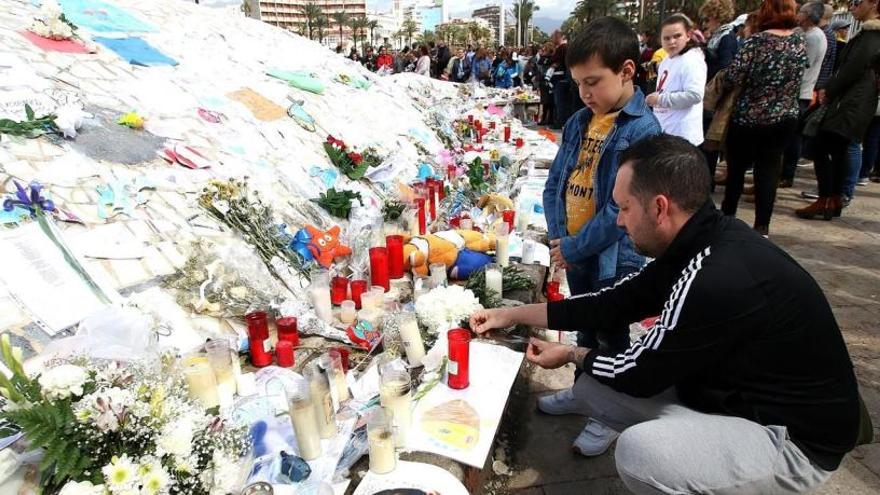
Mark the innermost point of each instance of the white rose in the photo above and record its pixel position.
(176, 439)
(81, 488)
(63, 381)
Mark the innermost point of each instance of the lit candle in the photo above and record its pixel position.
(220, 358)
(347, 312)
(319, 390)
(502, 255)
(305, 424)
(380, 433)
(337, 375)
(494, 279)
(412, 339)
(201, 383)
(394, 394)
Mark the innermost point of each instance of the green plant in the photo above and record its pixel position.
(337, 203)
(31, 127)
(392, 210)
(475, 176)
(512, 279)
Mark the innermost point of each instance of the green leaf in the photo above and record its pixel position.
(29, 112)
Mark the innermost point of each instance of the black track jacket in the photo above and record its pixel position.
(743, 331)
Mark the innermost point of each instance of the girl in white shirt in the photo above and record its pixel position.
(681, 81)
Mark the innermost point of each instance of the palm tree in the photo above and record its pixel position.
(409, 29)
(312, 12)
(322, 22)
(341, 20)
(523, 12)
(357, 25)
(372, 25)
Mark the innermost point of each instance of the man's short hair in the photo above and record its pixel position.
(814, 11)
(609, 38)
(670, 166)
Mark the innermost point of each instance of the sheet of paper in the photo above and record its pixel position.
(37, 275)
(412, 475)
(461, 424)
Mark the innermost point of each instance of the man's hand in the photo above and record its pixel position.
(488, 319)
(652, 99)
(556, 257)
(548, 355)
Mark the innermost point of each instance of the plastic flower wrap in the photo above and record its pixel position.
(446, 307)
(225, 280)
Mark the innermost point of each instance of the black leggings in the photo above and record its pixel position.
(831, 162)
(763, 148)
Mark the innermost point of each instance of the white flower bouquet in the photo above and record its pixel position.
(446, 306)
(106, 430)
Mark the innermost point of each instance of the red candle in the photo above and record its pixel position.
(338, 290)
(552, 288)
(478, 126)
(441, 189)
(507, 134)
(479, 137)
(492, 125)
(433, 196)
(343, 355)
(258, 339)
(284, 353)
(508, 216)
(450, 172)
(520, 143)
(358, 287)
(555, 297)
(422, 220)
(394, 243)
(379, 267)
(458, 366)
(287, 330)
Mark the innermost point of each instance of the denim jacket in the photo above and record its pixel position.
(600, 236)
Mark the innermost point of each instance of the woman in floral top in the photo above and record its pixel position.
(768, 69)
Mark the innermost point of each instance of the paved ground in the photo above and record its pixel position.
(843, 255)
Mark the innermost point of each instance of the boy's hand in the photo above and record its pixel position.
(556, 256)
(652, 99)
(548, 355)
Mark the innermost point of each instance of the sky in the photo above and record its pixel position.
(557, 10)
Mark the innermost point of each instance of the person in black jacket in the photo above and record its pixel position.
(851, 101)
(744, 384)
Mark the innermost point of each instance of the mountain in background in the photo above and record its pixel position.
(547, 24)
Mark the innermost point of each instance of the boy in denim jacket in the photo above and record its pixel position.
(581, 215)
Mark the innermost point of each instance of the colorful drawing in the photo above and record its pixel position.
(454, 424)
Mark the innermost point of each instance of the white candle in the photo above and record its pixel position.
(394, 395)
(201, 382)
(382, 456)
(305, 425)
(494, 279)
(412, 340)
(320, 296)
(347, 313)
(323, 405)
(502, 255)
(528, 252)
(523, 218)
(413, 220)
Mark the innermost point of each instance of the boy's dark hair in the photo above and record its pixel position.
(670, 166)
(611, 39)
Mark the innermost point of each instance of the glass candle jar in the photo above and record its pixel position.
(509, 216)
(458, 366)
(319, 390)
(284, 356)
(394, 244)
(220, 359)
(380, 434)
(347, 312)
(201, 382)
(379, 274)
(394, 395)
(358, 287)
(494, 279)
(288, 330)
(412, 339)
(258, 339)
(338, 290)
(502, 240)
(319, 293)
(337, 375)
(305, 422)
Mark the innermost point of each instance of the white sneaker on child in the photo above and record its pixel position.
(594, 439)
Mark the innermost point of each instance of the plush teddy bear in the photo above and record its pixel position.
(462, 251)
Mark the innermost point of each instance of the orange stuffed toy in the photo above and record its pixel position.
(325, 246)
(443, 247)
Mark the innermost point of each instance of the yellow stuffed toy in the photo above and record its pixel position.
(444, 247)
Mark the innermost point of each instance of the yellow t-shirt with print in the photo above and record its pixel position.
(580, 205)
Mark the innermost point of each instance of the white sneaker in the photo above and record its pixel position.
(562, 402)
(595, 439)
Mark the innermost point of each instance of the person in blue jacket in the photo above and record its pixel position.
(581, 215)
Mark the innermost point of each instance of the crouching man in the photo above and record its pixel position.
(744, 384)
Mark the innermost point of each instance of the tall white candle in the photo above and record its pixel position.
(394, 395)
(412, 340)
(320, 296)
(319, 391)
(305, 425)
(201, 382)
(528, 252)
(494, 279)
(502, 253)
(382, 456)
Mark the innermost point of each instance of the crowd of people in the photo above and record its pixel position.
(743, 382)
(541, 67)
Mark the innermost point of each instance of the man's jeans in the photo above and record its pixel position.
(665, 447)
(871, 150)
